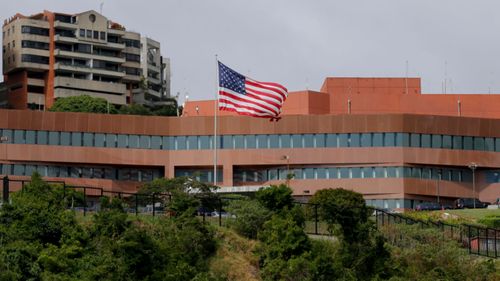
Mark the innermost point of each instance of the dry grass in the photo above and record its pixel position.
(235, 258)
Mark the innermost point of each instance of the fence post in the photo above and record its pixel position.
(316, 219)
(376, 217)
(84, 201)
(220, 212)
(470, 246)
(383, 214)
(487, 243)
(496, 238)
(6, 189)
(136, 204)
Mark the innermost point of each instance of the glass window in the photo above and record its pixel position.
(89, 33)
(30, 169)
(378, 139)
(103, 35)
(110, 173)
(446, 175)
(297, 141)
(489, 144)
(392, 172)
(96, 34)
(344, 173)
(30, 137)
(426, 173)
(355, 173)
(297, 174)
(54, 138)
(367, 172)
(478, 143)
(274, 141)
(227, 142)
(82, 32)
(42, 137)
(250, 141)
(437, 141)
(425, 141)
(192, 142)
(415, 140)
(204, 142)
(285, 141)
(145, 142)
(308, 140)
(416, 172)
(110, 140)
(468, 143)
(262, 141)
(497, 144)
(309, 173)
(76, 139)
(239, 141)
(65, 138)
(156, 142)
(407, 172)
(389, 139)
(380, 172)
(436, 173)
(283, 174)
(333, 173)
(99, 140)
(122, 141)
(331, 140)
(63, 172)
(88, 139)
(133, 141)
(403, 139)
(19, 137)
(366, 140)
(447, 142)
(354, 140)
(180, 142)
(321, 173)
(343, 140)
(455, 175)
(272, 174)
(319, 140)
(19, 170)
(457, 142)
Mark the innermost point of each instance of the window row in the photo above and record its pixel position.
(34, 45)
(201, 175)
(123, 174)
(34, 59)
(253, 141)
(92, 34)
(35, 30)
(262, 175)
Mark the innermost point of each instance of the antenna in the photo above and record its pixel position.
(445, 74)
(406, 77)
(102, 4)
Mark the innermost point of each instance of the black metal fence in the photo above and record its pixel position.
(477, 240)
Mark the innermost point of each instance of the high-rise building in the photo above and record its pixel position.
(51, 55)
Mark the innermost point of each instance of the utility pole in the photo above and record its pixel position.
(473, 166)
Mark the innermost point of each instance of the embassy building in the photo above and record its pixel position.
(378, 136)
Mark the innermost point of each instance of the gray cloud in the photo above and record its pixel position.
(299, 43)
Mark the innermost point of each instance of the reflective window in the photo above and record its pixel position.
(297, 174)
(272, 174)
(308, 140)
(426, 173)
(366, 140)
(468, 143)
(285, 141)
(331, 140)
(145, 142)
(99, 140)
(489, 144)
(19, 137)
(497, 144)
(437, 141)
(378, 139)
(367, 172)
(478, 143)
(30, 137)
(416, 172)
(204, 142)
(355, 173)
(88, 139)
(110, 140)
(122, 141)
(343, 140)
(19, 170)
(65, 138)
(42, 137)
(390, 139)
(309, 173)
(262, 141)
(297, 141)
(274, 141)
(227, 141)
(180, 142)
(457, 142)
(425, 141)
(133, 141)
(344, 173)
(447, 142)
(319, 140)
(415, 140)
(321, 173)
(156, 142)
(192, 142)
(391, 172)
(380, 172)
(239, 141)
(76, 139)
(333, 173)
(250, 141)
(354, 140)
(403, 139)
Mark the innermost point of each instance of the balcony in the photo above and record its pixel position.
(36, 82)
(90, 85)
(109, 71)
(65, 25)
(72, 67)
(65, 39)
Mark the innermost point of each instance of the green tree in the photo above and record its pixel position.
(134, 109)
(250, 217)
(83, 103)
(276, 197)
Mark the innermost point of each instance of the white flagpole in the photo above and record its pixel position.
(216, 108)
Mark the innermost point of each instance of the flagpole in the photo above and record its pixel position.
(216, 108)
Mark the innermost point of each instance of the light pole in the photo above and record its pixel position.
(473, 167)
(287, 158)
(437, 183)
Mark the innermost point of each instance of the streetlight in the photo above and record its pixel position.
(287, 158)
(473, 167)
(437, 183)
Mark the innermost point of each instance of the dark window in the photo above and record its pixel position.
(83, 48)
(132, 57)
(132, 43)
(82, 32)
(89, 33)
(34, 30)
(34, 59)
(103, 35)
(96, 34)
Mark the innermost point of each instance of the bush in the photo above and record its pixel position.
(276, 198)
(249, 218)
(492, 221)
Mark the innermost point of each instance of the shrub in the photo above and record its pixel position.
(492, 221)
(249, 218)
(276, 197)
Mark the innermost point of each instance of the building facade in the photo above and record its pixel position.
(396, 159)
(51, 55)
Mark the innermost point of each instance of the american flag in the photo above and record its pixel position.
(246, 96)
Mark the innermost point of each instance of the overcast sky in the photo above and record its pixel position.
(298, 43)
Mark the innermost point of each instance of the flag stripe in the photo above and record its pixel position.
(226, 104)
(236, 99)
(262, 86)
(248, 98)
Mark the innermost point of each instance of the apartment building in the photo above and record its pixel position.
(51, 55)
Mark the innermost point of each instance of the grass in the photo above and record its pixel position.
(469, 216)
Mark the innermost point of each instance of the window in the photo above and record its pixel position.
(30, 137)
(380, 172)
(402, 139)
(457, 142)
(83, 48)
(110, 140)
(239, 141)
(437, 141)
(192, 142)
(103, 35)
(132, 57)
(321, 173)
(274, 141)
(297, 141)
(88, 139)
(415, 140)
(354, 140)
(447, 142)
(366, 140)
(99, 140)
(19, 137)
(204, 142)
(34, 59)
(378, 139)
(76, 139)
(82, 32)
(145, 142)
(367, 172)
(41, 137)
(262, 141)
(333, 173)
(343, 140)
(35, 30)
(319, 140)
(489, 144)
(122, 141)
(478, 143)
(132, 43)
(65, 138)
(308, 140)
(96, 34)
(468, 143)
(180, 142)
(331, 140)
(53, 138)
(34, 45)
(89, 33)
(155, 142)
(133, 141)
(227, 142)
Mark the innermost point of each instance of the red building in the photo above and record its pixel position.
(378, 136)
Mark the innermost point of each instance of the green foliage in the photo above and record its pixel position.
(423, 254)
(275, 198)
(250, 216)
(492, 221)
(83, 103)
(134, 109)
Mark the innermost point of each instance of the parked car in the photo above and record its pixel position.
(468, 203)
(428, 206)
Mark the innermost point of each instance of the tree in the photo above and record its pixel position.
(250, 217)
(276, 197)
(83, 103)
(134, 109)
